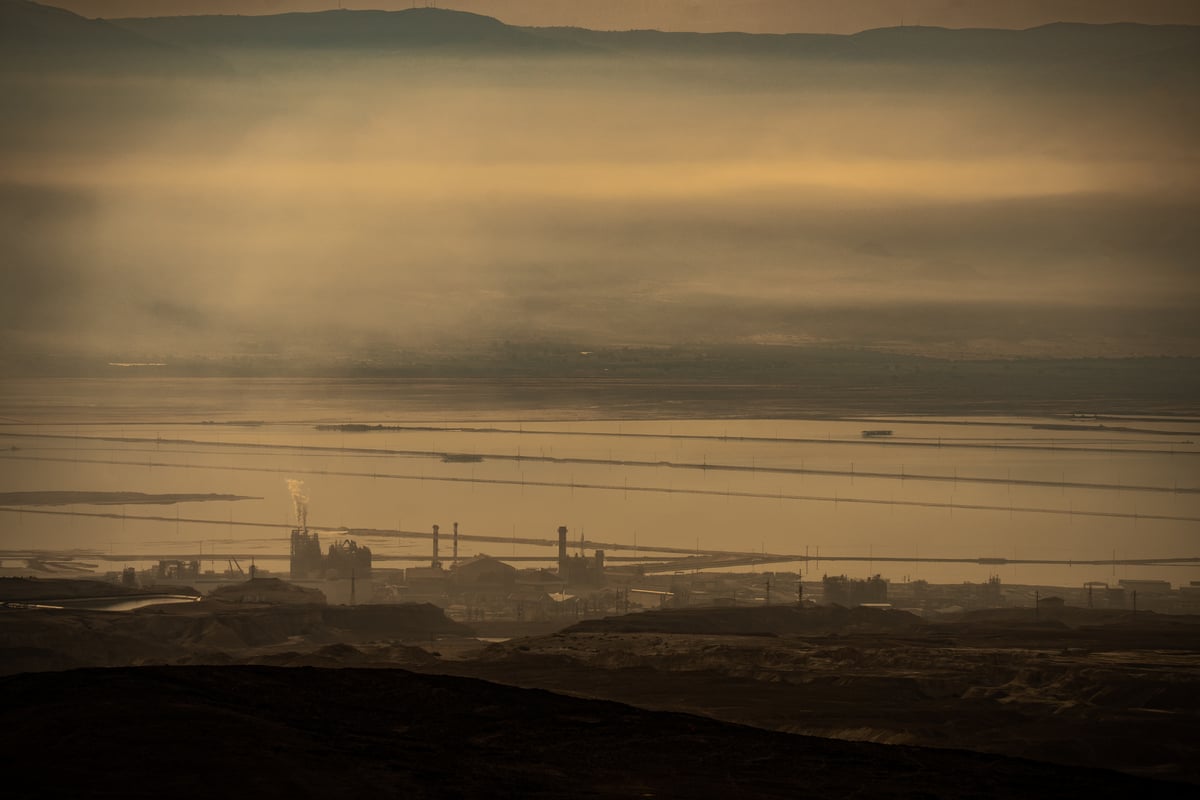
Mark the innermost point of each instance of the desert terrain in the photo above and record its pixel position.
(757, 701)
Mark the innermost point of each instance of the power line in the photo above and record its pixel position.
(706, 466)
(874, 442)
(573, 485)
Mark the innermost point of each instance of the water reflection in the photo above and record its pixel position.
(956, 488)
(110, 603)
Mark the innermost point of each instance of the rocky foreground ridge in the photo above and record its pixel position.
(1083, 690)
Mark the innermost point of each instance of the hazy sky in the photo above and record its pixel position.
(757, 16)
(600, 203)
(301, 202)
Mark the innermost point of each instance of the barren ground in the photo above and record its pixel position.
(1094, 690)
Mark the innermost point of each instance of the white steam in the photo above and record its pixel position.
(300, 498)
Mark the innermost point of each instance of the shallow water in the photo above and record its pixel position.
(116, 603)
(953, 488)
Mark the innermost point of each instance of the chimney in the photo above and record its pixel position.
(435, 563)
(456, 544)
(562, 549)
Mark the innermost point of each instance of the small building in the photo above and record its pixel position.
(1145, 587)
(483, 585)
(483, 571)
(175, 570)
(582, 570)
(539, 580)
(1051, 607)
(426, 585)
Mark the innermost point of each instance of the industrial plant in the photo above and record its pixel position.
(570, 585)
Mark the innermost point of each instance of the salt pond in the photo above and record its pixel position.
(955, 488)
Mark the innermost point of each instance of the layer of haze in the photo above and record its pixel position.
(753, 16)
(349, 204)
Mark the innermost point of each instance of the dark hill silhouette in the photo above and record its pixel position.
(1060, 42)
(776, 620)
(29, 25)
(1075, 53)
(410, 28)
(315, 733)
(41, 37)
(677, 43)
(1115, 49)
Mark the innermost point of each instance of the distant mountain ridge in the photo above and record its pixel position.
(35, 37)
(1057, 43)
(29, 24)
(417, 27)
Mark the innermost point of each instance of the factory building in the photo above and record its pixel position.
(849, 592)
(344, 560)
(579, 570)
(482, 572)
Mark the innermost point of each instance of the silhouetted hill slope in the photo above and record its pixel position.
(1059, 42)
(28, 24)
(408, 29)
(1052, 43)
(304, 732)
(42, 37)
(776, 620)
(1109, 49)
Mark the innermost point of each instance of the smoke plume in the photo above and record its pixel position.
(300, 498)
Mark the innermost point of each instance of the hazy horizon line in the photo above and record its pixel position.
(755, 17)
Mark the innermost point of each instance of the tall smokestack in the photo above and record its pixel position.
(456, 544)
(562, 549)
(436, 563)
